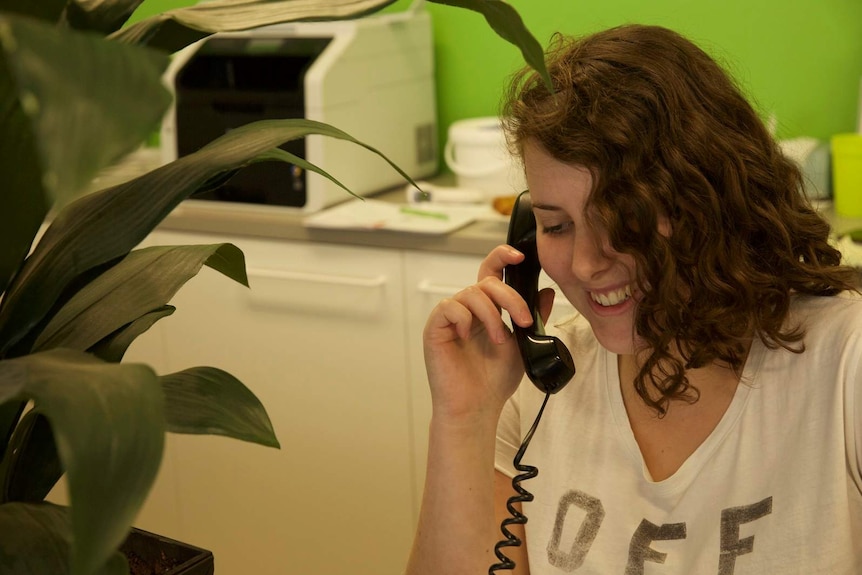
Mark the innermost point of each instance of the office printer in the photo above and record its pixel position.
(372, 77)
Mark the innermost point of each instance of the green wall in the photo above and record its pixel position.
(799, 60)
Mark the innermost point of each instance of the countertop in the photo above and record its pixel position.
(477, 238)
(273, 222)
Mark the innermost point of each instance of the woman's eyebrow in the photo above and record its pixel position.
(547, 207)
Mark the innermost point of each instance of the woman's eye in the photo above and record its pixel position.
(556, 229)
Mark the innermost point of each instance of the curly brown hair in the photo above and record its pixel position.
(668, 135)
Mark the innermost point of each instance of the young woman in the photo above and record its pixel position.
(713, 424)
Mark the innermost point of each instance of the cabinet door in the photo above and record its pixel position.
(319, 339)
(430, 278)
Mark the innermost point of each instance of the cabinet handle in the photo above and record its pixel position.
(429, 288)
(269, 273)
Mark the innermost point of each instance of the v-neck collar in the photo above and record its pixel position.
(692, 465)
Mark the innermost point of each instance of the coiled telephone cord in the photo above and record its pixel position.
(522, 496)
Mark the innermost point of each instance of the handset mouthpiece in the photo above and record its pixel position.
(548, 363)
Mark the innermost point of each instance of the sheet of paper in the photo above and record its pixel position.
(369, 214)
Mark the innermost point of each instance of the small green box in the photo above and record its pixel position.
(847, 174)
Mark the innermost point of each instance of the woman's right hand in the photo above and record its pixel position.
(471, 356)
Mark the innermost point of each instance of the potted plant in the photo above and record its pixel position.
(78, 92)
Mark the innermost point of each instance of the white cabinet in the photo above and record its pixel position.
(320, 340)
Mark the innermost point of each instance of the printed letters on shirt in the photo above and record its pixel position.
(640, 549)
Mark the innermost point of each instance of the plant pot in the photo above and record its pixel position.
(151, 554)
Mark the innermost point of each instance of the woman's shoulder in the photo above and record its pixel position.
(846, 302)
(838, 315)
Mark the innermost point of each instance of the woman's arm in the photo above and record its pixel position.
(456, 532)
(473, 368)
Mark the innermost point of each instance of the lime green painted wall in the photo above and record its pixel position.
(800, 60)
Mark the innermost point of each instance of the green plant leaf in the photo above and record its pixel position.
(103, 16)
(65, 99)
(48, 10)
(175, 29)
(143, 281)
(507, 23)
(31, 467)
(36, 541)
(108, 423)
(285, 156)
(10, 413)
(21, 213)
(76, 91)
(209, 400)
(103, 226)
(114, 346)
(36, 538)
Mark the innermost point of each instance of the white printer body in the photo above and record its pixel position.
(371, 77)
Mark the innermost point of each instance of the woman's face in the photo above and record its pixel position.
(598, 281)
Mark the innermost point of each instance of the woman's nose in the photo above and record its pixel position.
(590, 257)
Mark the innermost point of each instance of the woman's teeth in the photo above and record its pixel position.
(612, 298)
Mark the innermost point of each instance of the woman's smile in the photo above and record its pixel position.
(612, 298)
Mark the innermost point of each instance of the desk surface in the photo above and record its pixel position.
(477, 238)
(274, 222)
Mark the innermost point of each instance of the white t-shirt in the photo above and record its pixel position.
(775, 489)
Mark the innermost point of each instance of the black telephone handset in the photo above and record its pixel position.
(547, 361)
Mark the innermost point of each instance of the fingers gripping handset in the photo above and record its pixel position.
(547, 361)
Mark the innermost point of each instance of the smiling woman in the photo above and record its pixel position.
(717, 339)
(691, 154)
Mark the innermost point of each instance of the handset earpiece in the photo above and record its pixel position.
(547, 361)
